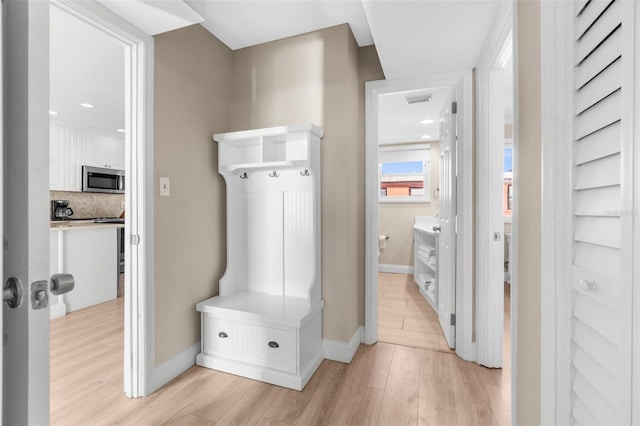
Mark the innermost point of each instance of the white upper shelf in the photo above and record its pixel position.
(274, 147)
(245, 135)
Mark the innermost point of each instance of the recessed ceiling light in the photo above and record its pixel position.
(122, 130)
(426, 136)
(54, 113)
(427, 121)
(86, 105)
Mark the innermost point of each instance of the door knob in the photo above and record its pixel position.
(62, 283)
(12, 292)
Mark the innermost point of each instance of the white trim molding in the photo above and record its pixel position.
(343, 351)
(635, 409)
(556, 18)
(395, 269)
(172, 368)
(490, 107)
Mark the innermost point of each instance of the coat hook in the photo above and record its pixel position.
(244, 175)
(305, 173)
(274, 174)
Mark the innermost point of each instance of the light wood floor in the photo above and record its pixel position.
(385, 384)
(405, 317)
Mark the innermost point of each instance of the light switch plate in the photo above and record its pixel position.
(165, 187)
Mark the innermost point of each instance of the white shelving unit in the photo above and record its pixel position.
(426, 242)
(266, 322)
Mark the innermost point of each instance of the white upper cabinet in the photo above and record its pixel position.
(65, 159)
(103, 151)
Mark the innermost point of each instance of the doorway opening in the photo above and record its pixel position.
(87, 168)
(125, 144)
(409, 194)
(460, 85)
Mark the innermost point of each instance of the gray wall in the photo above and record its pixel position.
(528, 168)
(314, 78)
(192, 97)
(202, 88)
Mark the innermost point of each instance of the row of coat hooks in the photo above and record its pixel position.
(275, 174)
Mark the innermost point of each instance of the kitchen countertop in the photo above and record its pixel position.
(65, 225)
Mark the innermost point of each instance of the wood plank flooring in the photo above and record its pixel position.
(385, 384)
(405, 317)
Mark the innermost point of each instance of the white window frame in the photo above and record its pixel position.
(426, 173)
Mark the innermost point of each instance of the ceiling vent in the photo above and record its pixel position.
(417, 99)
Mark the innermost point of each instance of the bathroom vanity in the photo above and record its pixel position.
(425, 265)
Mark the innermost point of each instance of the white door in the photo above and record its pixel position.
(601, 266)
(601, 272)
(447, 254)
(25, 201)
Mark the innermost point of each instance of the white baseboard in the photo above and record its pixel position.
(343, 351)
(57, 310)
(263, 374)
(395, 269)
(169, 370)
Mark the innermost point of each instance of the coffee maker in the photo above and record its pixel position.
(60, 210)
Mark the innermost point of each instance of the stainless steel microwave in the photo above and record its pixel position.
(98, 179)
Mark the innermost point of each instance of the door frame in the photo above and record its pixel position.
(555, 335)
(463, 82)
(2, 307)
(138, 327)
(489, 214)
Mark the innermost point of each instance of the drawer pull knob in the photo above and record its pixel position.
(273, 344)
(585, 285)
(223, 335)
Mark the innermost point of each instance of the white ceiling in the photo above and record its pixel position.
(85, 65)
(154, 16)
(412, 37)
(416, 38)
(400, 122)
(246, 23)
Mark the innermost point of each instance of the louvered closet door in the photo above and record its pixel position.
(602, 263)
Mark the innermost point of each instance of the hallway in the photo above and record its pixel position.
(384, 384)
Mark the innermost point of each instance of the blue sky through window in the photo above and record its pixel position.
(508, 159)
(403, 167)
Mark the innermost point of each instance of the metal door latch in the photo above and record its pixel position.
(39, 295)
(496, 236)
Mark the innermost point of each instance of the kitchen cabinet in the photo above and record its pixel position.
(266, 322)
(103, 151)
(90, 254)
(65, 152)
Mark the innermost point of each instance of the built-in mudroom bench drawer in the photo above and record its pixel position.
(268, 346)
(266, 337)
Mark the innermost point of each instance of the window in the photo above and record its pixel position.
(403, 173)
(508, 181)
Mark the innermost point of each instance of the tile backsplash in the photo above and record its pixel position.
(90, 205)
